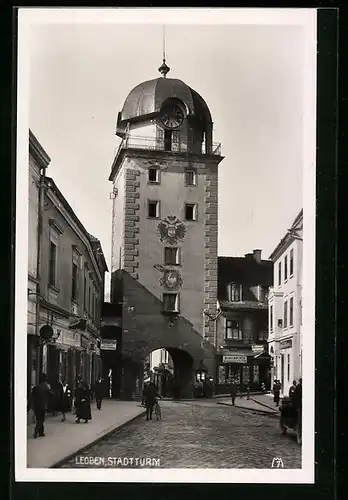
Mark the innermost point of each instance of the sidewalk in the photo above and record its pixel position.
(250, 404)
(63, 439)
(267, 401)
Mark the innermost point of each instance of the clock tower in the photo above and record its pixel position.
(165, 221)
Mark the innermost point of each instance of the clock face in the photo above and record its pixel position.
(172, 116)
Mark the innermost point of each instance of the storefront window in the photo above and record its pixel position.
(222, 374)
(256, 375)
(245, 376)
(44, 359)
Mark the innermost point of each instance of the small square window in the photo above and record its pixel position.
(190, 211)
(171, 302)
(154, 175)
(171, 256)
(190, 178)
(153, 209)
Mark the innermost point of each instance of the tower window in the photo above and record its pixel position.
(154, 175)
(171, 302)
(171, 256)
(153, 209)
(190, 178)
(190, 211)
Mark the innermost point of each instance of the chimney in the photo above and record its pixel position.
(257, 255)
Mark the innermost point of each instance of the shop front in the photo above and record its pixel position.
(246, 368)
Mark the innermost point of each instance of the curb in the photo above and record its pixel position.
(262, 412)
(83, 448)
(264, 404)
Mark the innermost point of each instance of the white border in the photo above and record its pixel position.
(306, 18)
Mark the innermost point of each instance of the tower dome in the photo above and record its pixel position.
(145, 100)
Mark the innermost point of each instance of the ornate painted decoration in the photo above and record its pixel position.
(171, 279)
(171, 230)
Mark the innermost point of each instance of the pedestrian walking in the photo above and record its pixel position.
(292, 389)
(40, 398)
(64, 398)
(83, 404)
(150, 395)
(233, 391)
(276, 391)
(99, 392)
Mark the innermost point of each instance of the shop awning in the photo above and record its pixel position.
(78, 324)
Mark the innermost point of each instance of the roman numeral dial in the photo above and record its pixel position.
(172, 117)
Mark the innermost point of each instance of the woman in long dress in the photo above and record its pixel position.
(83, 403)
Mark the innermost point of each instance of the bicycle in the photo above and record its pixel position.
(157, 410)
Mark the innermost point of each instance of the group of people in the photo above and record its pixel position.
(42, 394)
(295, 392)
(150, 396)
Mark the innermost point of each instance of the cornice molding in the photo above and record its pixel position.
(38, 152)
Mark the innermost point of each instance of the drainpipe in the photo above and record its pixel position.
(38, 269)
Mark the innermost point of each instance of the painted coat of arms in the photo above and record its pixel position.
(171, 230)
(171, 280)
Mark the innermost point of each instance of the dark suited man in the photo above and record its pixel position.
(99, 392)
(41, 394)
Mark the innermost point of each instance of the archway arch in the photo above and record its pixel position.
(173, 374)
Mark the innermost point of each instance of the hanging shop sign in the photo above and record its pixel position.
(108, 345)
(71, 338)
(286, 344)
(84, 342)
(258, 348)
(234, 358)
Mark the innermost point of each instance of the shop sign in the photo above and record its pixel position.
(258, 348)
(234, 358)
(286, 344)
(71, 338)
(108, 345)
(84, 342)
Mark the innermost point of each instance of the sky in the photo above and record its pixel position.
(252, 78)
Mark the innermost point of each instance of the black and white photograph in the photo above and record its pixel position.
(165, 255)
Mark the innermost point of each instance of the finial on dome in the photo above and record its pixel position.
(164, 69)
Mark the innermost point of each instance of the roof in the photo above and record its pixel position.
(92, 240)
(147, 98)
(288, 238)
(244, 271)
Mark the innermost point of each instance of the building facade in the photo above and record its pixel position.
(64, 328)
(285, 307)
(164, 234)
(242, 325)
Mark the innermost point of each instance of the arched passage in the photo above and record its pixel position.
(172, 370)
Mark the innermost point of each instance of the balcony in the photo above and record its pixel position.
(153, 144)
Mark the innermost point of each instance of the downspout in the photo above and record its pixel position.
(38, 269)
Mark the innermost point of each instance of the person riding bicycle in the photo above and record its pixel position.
(150, 395)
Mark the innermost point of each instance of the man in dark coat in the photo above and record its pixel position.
(233, 391)
(64, 398)
(40, 397)
(99, 392)
(276, 391)
(83, 405)
(150, 395)
(297, 396)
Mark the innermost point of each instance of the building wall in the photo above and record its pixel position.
(118, 226)
(34, 179)
(142, 247)
(286, 340)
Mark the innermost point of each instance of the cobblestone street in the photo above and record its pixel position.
(198, 434)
